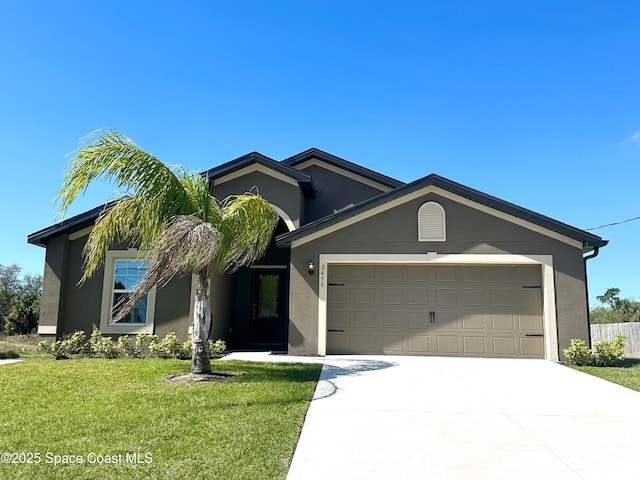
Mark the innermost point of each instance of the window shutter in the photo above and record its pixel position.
(431, 223)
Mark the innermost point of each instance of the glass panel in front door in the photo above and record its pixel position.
(268, 296)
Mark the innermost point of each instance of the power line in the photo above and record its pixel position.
(614, 223)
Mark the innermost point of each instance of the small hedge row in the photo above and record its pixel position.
(77, 346)
(604, 354)
(9, 354)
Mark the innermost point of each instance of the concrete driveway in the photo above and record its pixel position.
(375, 417)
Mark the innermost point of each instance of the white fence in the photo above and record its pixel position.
(608, 331)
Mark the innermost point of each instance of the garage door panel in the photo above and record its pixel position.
(472, 297)
(364, 343)
(393, 344)
(501, 298)
(531, 346)
(419, 344)
(436, 310)
(364, 295)
(471, 274)
(340, 295)
(364, 319)
(392, 296)
(446, 297)
(338, 343)
(448, 344)
(393, 273)
(417, 273)
(417, 296)
(447, 320)
(364, 273)
(530, 322)
(529, 298)
(474, 345)
(392, 319)
(504, 346)
(473, 321)
(418, 320)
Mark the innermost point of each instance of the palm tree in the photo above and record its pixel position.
(171, 216)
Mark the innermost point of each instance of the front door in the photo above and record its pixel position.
(269, 307)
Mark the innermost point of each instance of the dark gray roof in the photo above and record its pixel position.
(70, 225)
(304, 180)
(588, 239)
(342, 163)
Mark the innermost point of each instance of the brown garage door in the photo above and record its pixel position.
(484, 311)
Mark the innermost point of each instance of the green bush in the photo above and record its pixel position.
(578, 353)
(125, 348)
(609, 354)
(168, 347)
(77, 345)
(102, 346)
(8, 354)
(217, 348)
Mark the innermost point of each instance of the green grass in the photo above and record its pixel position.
(627, 375)
(243, 428)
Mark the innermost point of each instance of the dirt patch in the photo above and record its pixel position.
(202, 377)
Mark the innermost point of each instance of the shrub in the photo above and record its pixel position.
(99, 346)
(142, 342)
(75, 344)
(168, 347)
(125, 348)
(217, 348)
(102, 346)
(609, 354)
(578, 353)
(8, 354)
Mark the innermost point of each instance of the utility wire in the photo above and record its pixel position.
(614, 223)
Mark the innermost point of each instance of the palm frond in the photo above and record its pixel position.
(186, 245)
(109, 155)
(247, 225)
(156, 194)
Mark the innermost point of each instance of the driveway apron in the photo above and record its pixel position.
(385, 417)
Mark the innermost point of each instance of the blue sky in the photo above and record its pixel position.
(534, 102)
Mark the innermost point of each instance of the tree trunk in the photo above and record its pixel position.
(200, 355)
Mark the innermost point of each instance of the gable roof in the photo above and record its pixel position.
(342, 163)
(70, 225)
(589, 241)
(304, 180)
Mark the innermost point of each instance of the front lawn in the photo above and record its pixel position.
(97, 411)
(628, 375)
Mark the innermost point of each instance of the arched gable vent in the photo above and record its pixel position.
(431, 223)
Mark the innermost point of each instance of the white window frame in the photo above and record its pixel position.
(439, 238)
(107, 297)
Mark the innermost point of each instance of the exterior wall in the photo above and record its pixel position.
(53, 285)
(334, 192)
(79, 306)
(281, 194)
(469, 231)
(221, 297)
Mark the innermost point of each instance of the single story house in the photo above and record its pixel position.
(359, 263)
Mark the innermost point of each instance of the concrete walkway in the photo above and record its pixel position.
(381, 417)
(6, 361)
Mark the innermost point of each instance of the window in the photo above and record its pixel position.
(431, 223)
(268, 296)
(123, 272)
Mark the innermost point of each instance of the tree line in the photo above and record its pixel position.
(615, 309)
(19, 300)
